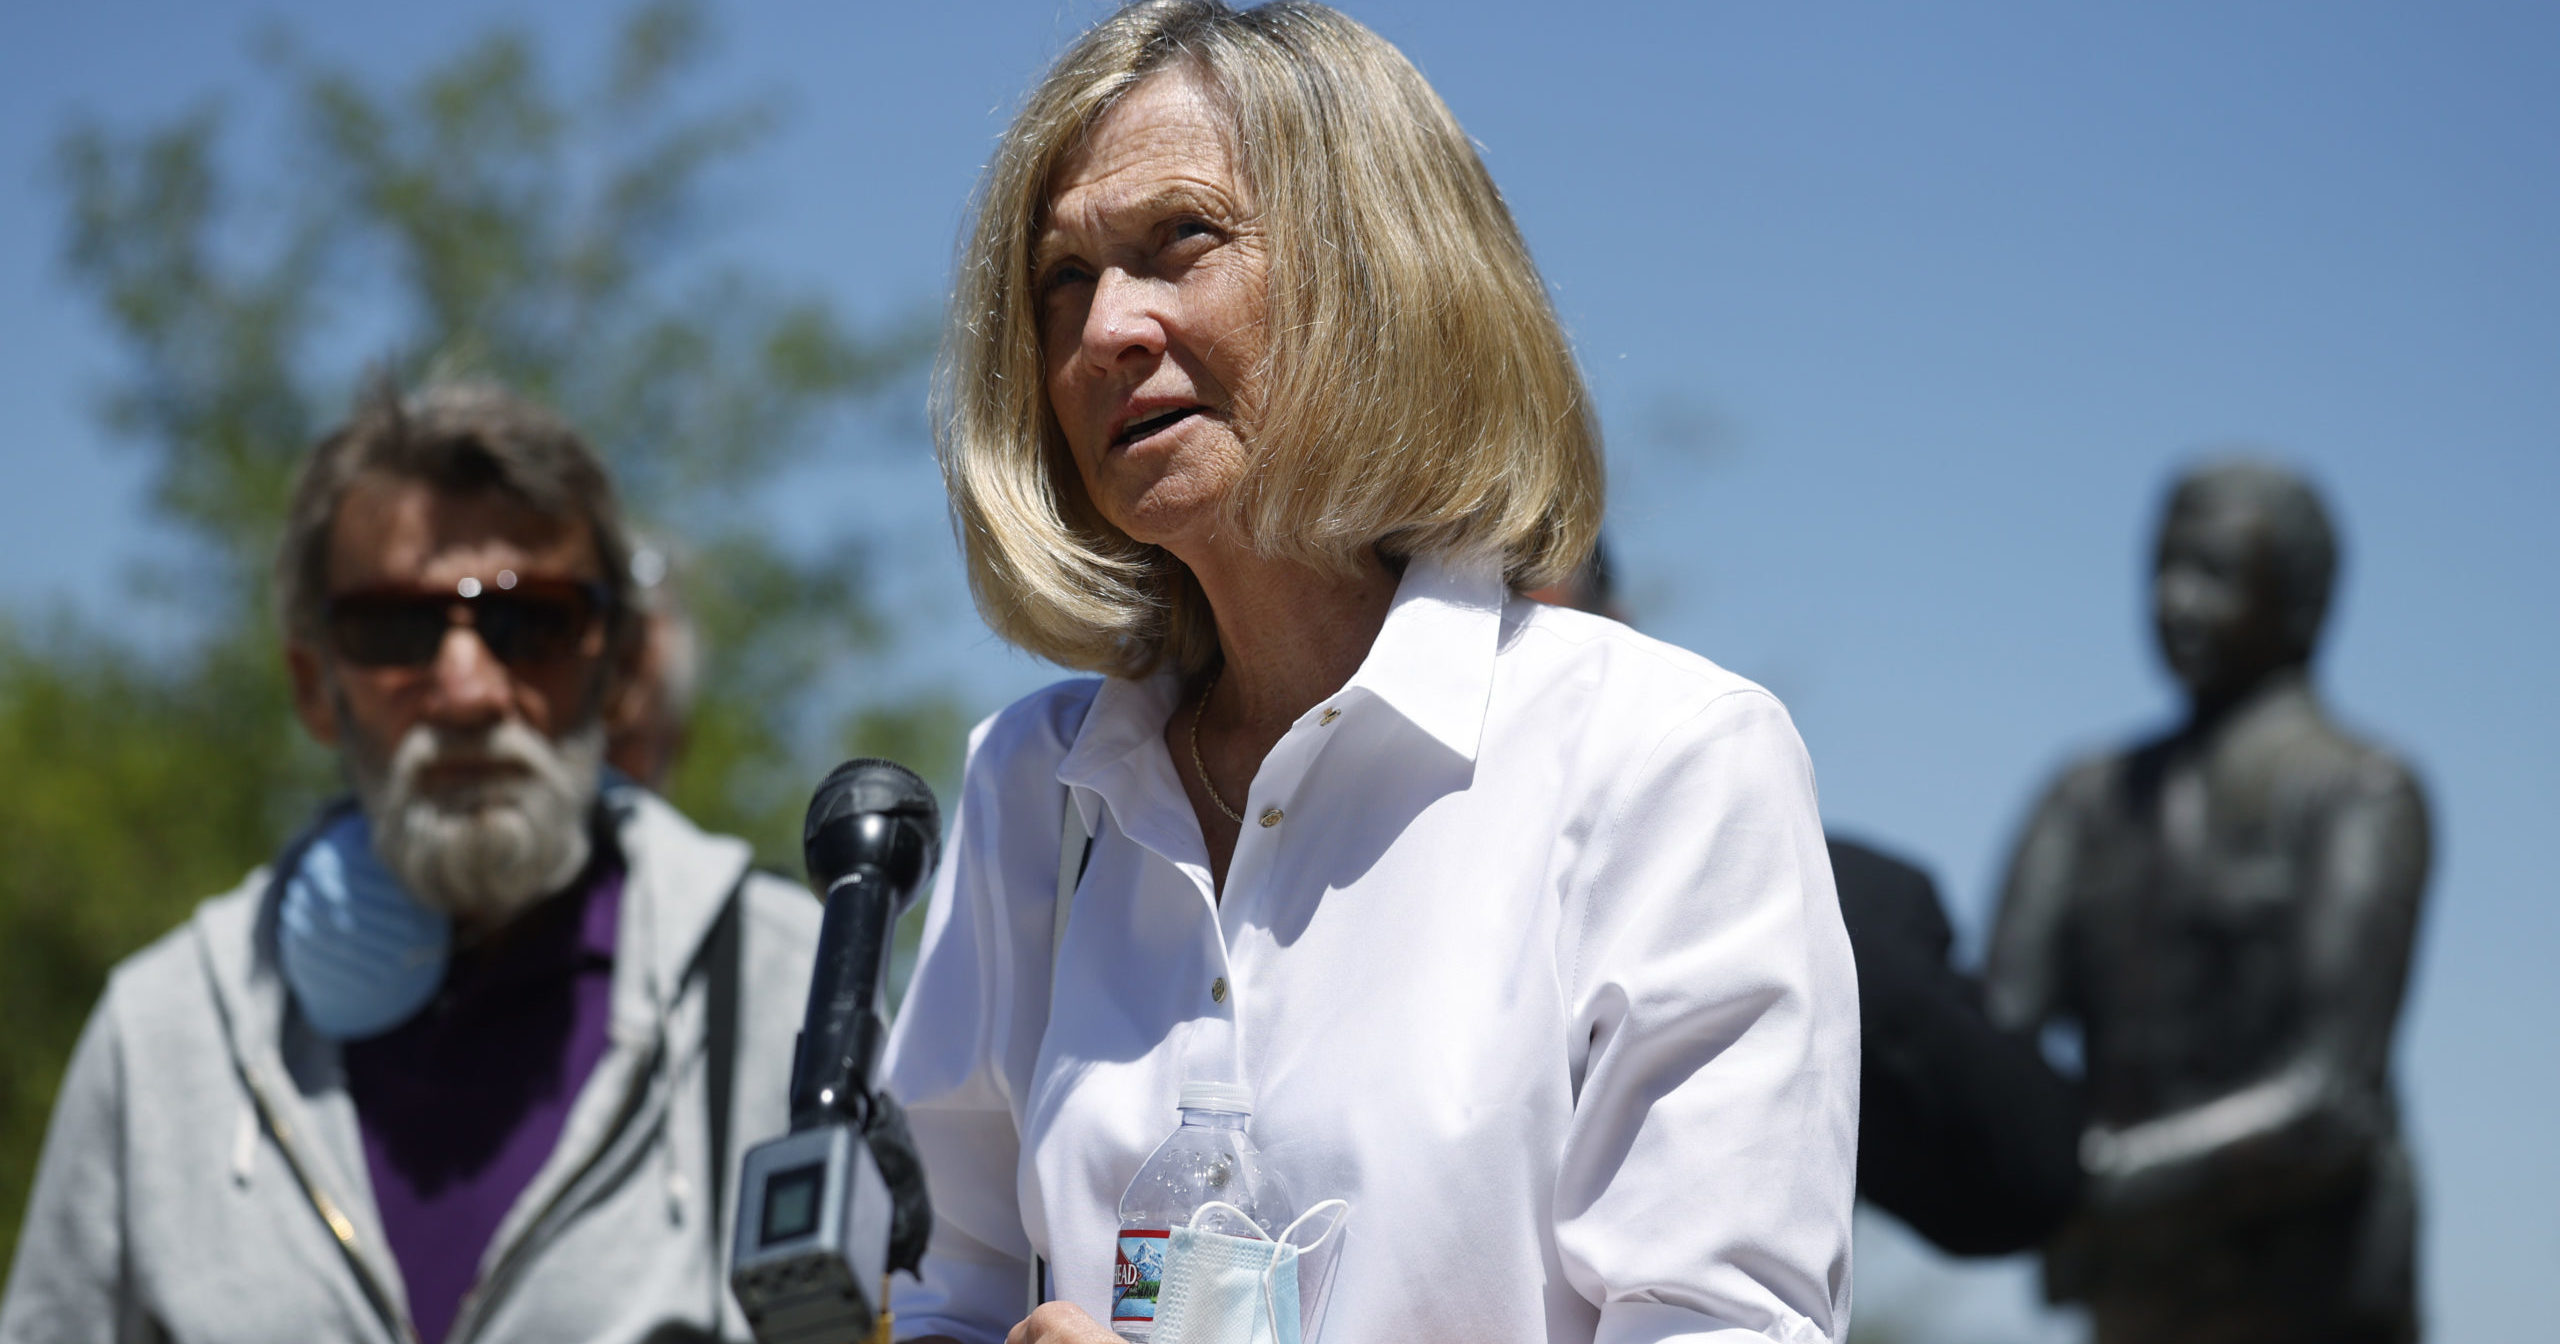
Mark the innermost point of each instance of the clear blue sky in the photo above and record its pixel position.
(1900, 316)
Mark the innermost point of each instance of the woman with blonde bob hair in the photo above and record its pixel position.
(1511, 930)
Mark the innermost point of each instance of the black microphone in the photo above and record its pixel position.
(872, 836)
(826, 1211)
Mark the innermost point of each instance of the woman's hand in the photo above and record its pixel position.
(1061, 1323)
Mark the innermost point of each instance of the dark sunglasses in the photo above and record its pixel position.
(525, 622)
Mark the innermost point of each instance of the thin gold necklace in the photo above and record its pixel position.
(1203, 766)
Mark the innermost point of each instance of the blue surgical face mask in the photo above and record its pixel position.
(1220, 1289)
(360, 955)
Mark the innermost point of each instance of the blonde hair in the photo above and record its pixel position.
(1418, 396)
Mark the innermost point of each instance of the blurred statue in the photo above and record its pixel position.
(2226, 913)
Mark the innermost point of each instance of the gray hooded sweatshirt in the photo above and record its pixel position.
(204, 1179)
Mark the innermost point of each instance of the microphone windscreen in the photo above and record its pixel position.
(871, 811)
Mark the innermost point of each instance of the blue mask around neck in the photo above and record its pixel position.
(359, 954)
(1221, 1289)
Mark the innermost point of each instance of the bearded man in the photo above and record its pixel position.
(469, 1060)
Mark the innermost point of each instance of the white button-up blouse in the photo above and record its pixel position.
(1528, 949)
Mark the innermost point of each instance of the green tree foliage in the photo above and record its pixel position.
(475, 221)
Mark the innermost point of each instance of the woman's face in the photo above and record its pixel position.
(1150, 276)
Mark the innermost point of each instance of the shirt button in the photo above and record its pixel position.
(1270, 817)
(1330, 715)
(1218, 990)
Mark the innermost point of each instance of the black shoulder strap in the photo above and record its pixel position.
(725, 953)
(1075, 839)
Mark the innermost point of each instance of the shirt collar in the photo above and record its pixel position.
(1126, 716)
(1432, 663)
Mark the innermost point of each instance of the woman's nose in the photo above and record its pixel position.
(1125, 319)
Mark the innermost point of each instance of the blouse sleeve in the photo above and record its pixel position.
(947, 1053)
(1707, 1181)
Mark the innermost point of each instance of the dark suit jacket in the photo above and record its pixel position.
(1964, 1131)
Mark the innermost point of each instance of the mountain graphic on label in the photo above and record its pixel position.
(1137, 1273)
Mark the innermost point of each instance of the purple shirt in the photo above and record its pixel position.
(461, 1105)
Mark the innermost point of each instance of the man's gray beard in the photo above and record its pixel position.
(484, 851)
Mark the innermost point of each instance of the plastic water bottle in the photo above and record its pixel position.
(1208, 1157)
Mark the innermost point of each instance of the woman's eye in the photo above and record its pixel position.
(1063, 275)
(1184, 230)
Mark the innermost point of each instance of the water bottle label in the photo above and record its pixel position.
(1137, 1274)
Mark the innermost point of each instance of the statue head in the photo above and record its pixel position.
(2240, 582)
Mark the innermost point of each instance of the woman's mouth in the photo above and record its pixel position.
(1162, 420)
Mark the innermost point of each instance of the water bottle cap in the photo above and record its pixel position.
(1233, 1098)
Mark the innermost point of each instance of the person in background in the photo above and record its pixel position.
(1591, 587)
(653, 715)
(469, 1060)
(1515, 926)
(1964, 1131)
